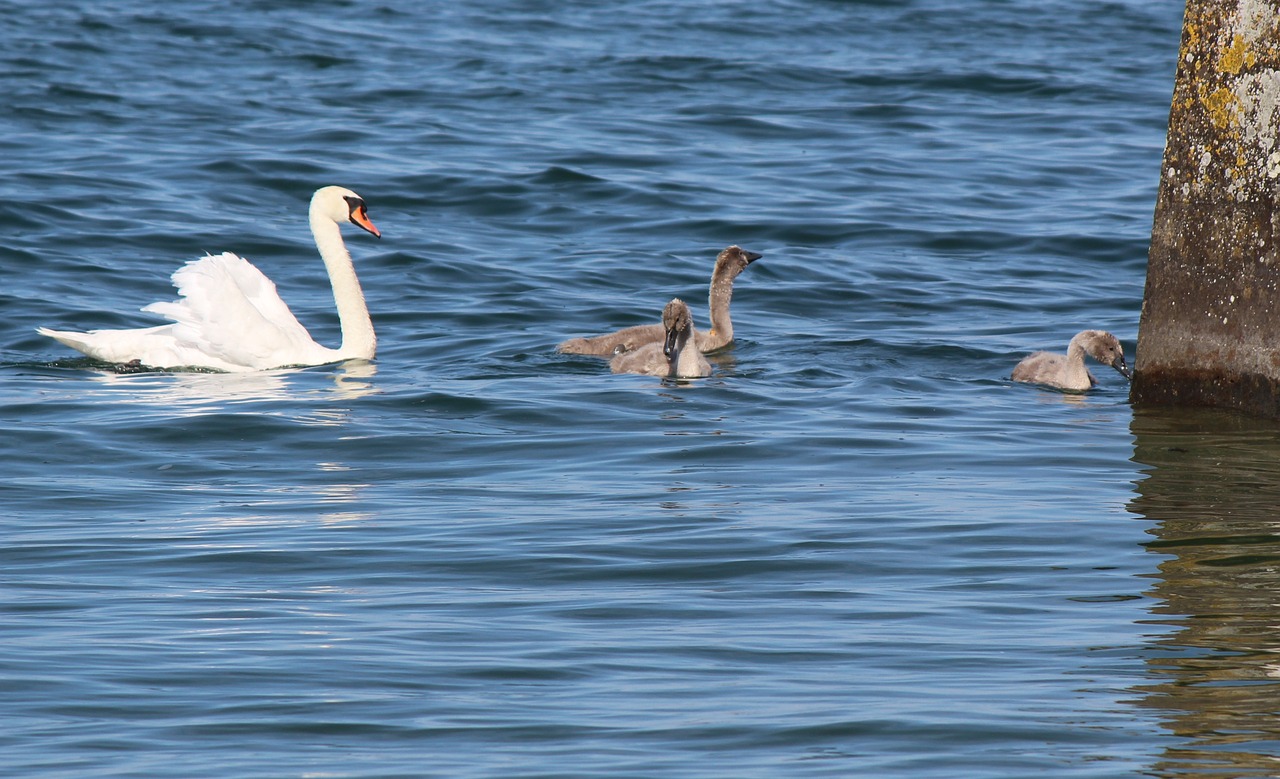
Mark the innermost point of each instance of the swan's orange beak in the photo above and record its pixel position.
(360, 218)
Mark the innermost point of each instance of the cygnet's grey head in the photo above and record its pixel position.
(1106, 349)
(678, 322)
(733, 260)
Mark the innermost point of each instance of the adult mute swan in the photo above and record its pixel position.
(673, 357)
(1068, 371)
(231, 318)
(732, 261)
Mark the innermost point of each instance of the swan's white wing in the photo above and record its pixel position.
(230, 311)
(153, 346)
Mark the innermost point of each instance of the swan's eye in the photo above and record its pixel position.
(356, 206)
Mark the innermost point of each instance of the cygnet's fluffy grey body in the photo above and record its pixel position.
(729, 263)
(674, 356)
(1067, 371)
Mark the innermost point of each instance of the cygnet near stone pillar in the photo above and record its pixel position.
(1210, 327)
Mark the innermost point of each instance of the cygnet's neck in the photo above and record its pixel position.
(358, 339)
(718, 299)
(684, 358)
(1073, 371)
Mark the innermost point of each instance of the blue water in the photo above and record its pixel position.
(856, 550)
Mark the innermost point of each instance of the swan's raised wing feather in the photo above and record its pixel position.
(230, 310)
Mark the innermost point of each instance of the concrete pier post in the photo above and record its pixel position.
(1210, 327)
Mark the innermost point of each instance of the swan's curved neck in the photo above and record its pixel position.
(683, 360)
(358, 340)
(718, 302)
(1075, 351)
(1073, 369)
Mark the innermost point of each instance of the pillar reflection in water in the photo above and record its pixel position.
(1212, 493)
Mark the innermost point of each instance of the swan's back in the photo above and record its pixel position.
(646, 359)
(1049, 369)
(625, 340)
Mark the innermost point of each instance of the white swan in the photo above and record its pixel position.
(231, 318)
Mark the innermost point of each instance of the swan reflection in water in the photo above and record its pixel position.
(306, 492)
(198, 394)
(325, 493)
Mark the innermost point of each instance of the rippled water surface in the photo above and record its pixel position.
(857, 549)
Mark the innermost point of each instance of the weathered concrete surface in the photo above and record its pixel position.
(1210, 328)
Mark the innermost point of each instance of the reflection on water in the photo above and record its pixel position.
(342, 500)
(329, 495)
(325, 491)
(196, 394)
(1212, 492)
(353, 379)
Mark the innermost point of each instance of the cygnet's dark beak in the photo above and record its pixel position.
(750, 256)
(1122, 367)
(669, 345)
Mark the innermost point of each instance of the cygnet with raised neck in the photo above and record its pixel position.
(732, 261)
(1067, 371)
(674, 357)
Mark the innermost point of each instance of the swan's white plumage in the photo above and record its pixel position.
(224, 299)
(229, 316)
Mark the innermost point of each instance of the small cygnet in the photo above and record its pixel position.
(1067, 371)
(675, 357)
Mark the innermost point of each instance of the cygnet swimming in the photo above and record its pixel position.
(1067, 371)
(674, 357)
(729, 263)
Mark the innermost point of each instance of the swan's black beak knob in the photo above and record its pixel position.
(360, 216)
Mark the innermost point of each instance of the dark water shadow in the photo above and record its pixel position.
(1213, 495)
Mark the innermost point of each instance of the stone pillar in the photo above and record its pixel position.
(1210, 328)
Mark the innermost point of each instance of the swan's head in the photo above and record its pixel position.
(678, 323)
(1106, 349)
(342, 205)
(734, 260)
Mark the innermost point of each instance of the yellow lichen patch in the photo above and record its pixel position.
(1191, 29)
(1236, 58)
(1222, 106)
